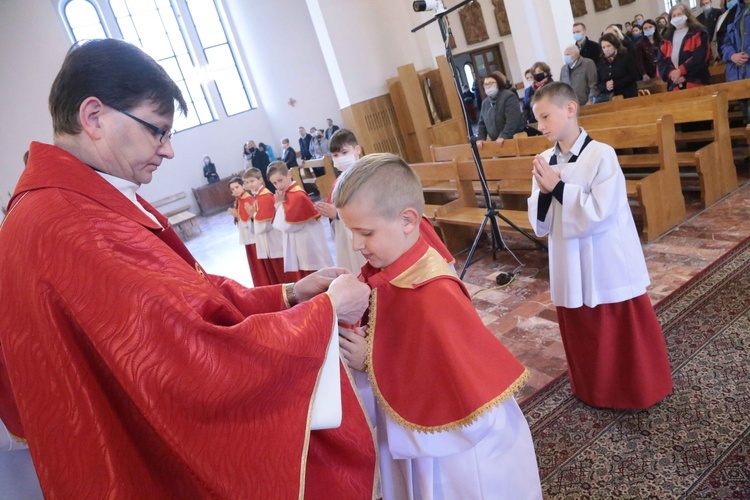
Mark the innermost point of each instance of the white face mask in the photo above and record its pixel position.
(679, 21)
(491, 92)
(344, 162)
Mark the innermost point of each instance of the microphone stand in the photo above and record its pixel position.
(492, 214)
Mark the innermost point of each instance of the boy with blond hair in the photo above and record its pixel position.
(243, 211)
(598, 276)
(447, 423)
(303, 238)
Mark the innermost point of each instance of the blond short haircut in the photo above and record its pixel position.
(252, 172)
(277, 167)
(559, 93)
(386, 180)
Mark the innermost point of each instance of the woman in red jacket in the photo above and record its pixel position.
(684, 52)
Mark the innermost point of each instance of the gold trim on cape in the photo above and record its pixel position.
(420, 272)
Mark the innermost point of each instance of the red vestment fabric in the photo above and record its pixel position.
(298, 208)
(137, 375)
(432, 363)
(616, 354)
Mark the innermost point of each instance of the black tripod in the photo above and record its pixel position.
(492, 214)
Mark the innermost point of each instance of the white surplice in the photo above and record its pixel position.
(268, 243)
(305, 244)
(595, 255)
(17, 475)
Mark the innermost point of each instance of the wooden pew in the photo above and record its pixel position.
(180, 218)
(658, 193)
(460, 219)
(305, 174)
(436, 177)
(714, 164)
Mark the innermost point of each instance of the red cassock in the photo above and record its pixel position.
(432, 363)
(134, 374)
(257, 270)
(266, 211)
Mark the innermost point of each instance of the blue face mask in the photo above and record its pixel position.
(706, 8)
(568, 60)
(577, 37)
(639, 22)
(649, 32)
(731, 3)
(636, 36)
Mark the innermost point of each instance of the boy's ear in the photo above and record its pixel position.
(572, 108)
(410, 219)
(358, 150)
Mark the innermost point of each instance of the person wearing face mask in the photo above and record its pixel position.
(588, 48)
(685, 51)
(616, 70)
(500, 115)
(647, 50)
(736, 49)
(638, 20)
(542, 76)
(725, 20)
(708, 18)
(580, 73)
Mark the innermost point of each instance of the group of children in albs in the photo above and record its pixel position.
(437, 385)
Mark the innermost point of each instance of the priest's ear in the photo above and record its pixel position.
(89, 114)
(410, 219)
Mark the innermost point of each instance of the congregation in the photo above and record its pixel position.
(335, 369)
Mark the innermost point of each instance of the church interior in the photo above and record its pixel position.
(285, 64)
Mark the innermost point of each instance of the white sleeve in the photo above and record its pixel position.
(280, 223)
(326, 405)
(586, 213)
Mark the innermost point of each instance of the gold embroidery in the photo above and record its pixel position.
(464, 422)
(430, 265)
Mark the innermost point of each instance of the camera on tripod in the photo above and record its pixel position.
(423, 5)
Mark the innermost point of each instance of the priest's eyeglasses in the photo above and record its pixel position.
(163, 135)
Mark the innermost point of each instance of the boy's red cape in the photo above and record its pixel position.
(298, 208)
(432, 363)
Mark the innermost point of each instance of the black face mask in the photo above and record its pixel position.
(540, 76)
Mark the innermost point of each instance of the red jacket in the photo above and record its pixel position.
(693, 60)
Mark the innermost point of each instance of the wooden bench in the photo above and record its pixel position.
(180, 218)
(439, 178)
(714, 162)
(657, 191)
(304, 174)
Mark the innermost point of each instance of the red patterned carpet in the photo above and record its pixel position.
(695, 443)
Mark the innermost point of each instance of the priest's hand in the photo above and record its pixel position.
(544, 175)
(317, 282)
(353, 347)
(350, 298)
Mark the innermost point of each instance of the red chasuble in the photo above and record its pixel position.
(432, 364)
(298, 208)
(137, 375)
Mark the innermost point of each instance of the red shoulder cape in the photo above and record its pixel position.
(298, 208)
(432, 363)
(266, 208)
(134, 375)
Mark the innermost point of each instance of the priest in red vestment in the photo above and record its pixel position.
(129, 370)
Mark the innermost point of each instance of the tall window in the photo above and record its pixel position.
(668, 4)
(187, 38)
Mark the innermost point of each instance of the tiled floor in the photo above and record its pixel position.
(521, 314)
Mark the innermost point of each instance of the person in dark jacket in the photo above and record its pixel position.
(500, 117)
(209, 170)
(542, 76)
(288, 154)
(708, 18)
(684, 51)
(304, 144)
(616, 69)
(588, 48)
(259, 159)
(725, 20)
(647, 50)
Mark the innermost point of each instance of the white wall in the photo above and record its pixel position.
(596, 21)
